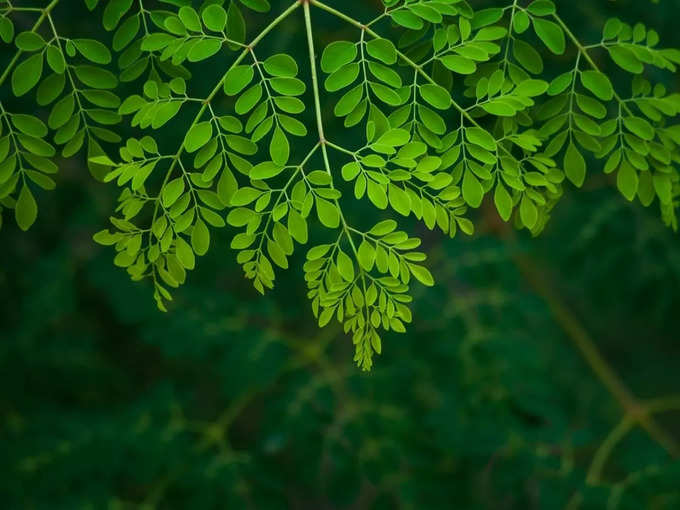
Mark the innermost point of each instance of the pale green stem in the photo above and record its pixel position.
(319, 116)
(322, 138)
(315, 85)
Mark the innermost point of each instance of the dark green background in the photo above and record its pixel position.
(233, 400)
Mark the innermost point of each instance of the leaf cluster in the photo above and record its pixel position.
(450, 107)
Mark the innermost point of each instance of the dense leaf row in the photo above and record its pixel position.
(453, 105)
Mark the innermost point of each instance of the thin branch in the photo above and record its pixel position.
(634, 409)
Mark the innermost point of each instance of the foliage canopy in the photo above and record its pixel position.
(449, 104)
(311, 126)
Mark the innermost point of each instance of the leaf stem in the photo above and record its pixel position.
(319, 116)
(634, 409)
(315, 83)
(618, 433)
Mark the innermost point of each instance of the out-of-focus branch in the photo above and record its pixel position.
(636, 412)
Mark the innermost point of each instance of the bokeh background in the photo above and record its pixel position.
(233, 400)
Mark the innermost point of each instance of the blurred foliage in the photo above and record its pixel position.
(233, 400)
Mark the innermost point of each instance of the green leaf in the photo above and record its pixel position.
(574, 165)
(383, 50)
(626, 59)
(214, 18)
(26, 209)
(436, 95)
(541, 7)
(279, 149)
(527, 56)
(297, 226)
(627, 180)
(105, 238)
(399, 199)
(281, 65)
(366, 255)
(503, 202)
(551, 34)
(248, 99)
(531, 88)
(190, 18)
(27, 74)
(257, 5)
(277, 255)
(407, 19)
(426, 12)
(245, 196)
(114, 12)
(377, 194)
(328, 213)
(96, 77)
(288, 86)
(6, 33)
(172, 191)
(318, 252)
(611, 28)
(394, 138)
(598, 84)
(383, 228)
(349, 101)
(480, 137)
(385, 94)
(50, 89)
(93, 50)
(345, 266)
(200, 238)
(204, 49)
(236, 24)
(198, 136)
(383, 73)
(337, 54)
(640, 127)
(226, 186)
(61, 112)
(422, 274)
(184, 253)
(29, 125)
(237, 79)
(266, 170)
(458, 64)
(528, 212)
(473, 192)
(29, 41)
(343, 77)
